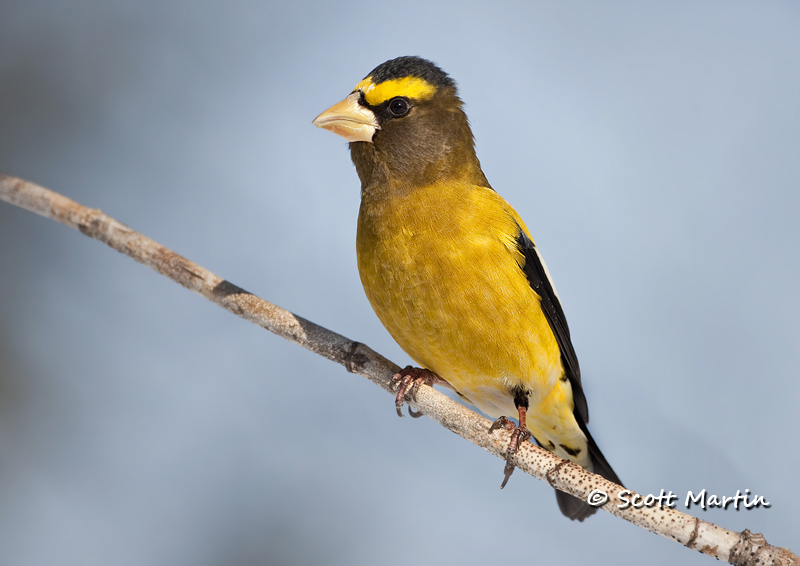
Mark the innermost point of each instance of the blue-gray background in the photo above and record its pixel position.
(653, 150)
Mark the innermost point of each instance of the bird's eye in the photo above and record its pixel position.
(399, 107)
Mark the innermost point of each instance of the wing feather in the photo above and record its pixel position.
(539, 280)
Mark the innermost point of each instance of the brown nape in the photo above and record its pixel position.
(432, 143)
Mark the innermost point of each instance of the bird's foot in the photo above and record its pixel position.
(518, 436)
(411, 379)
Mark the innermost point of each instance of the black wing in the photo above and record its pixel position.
(541, 284)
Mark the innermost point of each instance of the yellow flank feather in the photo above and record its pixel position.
(441, 268)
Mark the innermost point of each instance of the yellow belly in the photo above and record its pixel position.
(440, 267)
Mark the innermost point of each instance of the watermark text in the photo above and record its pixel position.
(668, 499)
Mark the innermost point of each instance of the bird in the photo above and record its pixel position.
(453, 273)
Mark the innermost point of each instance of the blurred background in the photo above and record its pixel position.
(653, 151)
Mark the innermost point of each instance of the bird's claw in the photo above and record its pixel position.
(518, 436)
(410, 379)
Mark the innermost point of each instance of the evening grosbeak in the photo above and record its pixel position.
(451, 270)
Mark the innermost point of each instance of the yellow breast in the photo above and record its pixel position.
(440, 267)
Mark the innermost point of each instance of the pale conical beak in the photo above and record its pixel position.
(349, 119)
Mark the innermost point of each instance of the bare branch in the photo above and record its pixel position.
(743, 548)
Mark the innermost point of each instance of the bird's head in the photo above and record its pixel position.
(405, 124)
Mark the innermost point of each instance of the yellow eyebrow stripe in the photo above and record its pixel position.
(410, 87)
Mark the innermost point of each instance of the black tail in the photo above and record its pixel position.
(573, 507)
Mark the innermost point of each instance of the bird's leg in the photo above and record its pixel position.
(519, 434)
(412, 378)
